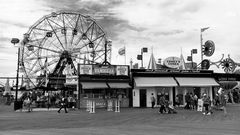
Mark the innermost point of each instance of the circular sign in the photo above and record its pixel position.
(209, 48)
(205, 64)
(172, 62)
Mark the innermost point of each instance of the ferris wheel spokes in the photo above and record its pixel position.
(63, 38)
(55, 33)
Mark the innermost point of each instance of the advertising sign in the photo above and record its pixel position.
(104, 70)
(71, 79)
(172, 62)
(86, 69)
(200, 105)
(122, 70)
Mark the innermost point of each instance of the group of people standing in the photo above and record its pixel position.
(167, 106)
(191, 101)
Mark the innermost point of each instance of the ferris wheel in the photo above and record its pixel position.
(57, 42)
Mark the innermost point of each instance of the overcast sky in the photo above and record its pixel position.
(164, 25)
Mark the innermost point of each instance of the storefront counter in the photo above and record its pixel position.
(102, 103)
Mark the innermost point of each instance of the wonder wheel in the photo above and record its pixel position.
(57, 42)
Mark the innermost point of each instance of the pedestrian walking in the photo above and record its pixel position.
(162, 103)
(63, 104)
(223, 102)
(206, 104)
(28, 103)
(153, 100)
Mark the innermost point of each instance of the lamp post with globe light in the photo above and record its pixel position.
(16, 105)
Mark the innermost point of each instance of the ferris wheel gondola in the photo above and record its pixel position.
(62, 39)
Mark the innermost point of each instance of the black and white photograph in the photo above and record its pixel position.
(119, 67)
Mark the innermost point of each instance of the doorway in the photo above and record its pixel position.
(143, 98)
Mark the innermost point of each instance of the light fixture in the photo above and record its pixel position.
(84, 36)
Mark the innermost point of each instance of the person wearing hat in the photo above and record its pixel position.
(206, 103)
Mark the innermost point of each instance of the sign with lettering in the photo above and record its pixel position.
(122, 70)
(86, 69)
(71, 79)
(104, 70)
(172, 62)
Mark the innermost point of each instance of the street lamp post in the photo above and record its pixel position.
(16, 41)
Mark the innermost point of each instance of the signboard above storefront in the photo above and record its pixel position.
(104, 70)
(71, 80)
(172, 62)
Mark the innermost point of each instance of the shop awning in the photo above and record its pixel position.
(155, 82)
(94, 85)
(229, 84)
(237, 86)
(196, 81)
(119, 85)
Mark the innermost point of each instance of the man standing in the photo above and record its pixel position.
(63, 104)
(153, 101)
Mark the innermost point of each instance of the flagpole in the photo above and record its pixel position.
(125, 54)
(201, 40)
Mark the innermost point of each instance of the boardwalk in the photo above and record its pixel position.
(130, 121)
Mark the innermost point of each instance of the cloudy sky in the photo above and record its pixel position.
(164, 26)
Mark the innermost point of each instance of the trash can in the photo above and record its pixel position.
(17, 105)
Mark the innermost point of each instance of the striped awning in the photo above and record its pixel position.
(196, 81)
(155, 82)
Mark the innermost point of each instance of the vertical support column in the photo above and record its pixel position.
(171, 94)
(88, 105)
(184, 93)
(92, 106)
(110, 105)
(117, 105)
(79, 87)
(210, 94)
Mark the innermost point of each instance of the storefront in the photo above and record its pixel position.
(171, 83)
(229, 82)
(101, 83)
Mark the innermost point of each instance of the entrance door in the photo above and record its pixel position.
(197, 91)
(143, 98)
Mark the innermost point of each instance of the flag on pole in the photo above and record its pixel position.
(122, 51)
(203, 29)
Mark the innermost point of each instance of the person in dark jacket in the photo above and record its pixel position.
(206, 104)
(162, 103)
(63, 104)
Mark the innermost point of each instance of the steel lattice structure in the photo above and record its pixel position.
(57, 42)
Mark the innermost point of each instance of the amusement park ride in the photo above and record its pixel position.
(54, 46)
(227, 64)
(57, 43)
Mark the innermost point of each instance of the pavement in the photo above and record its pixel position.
(130, 121)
